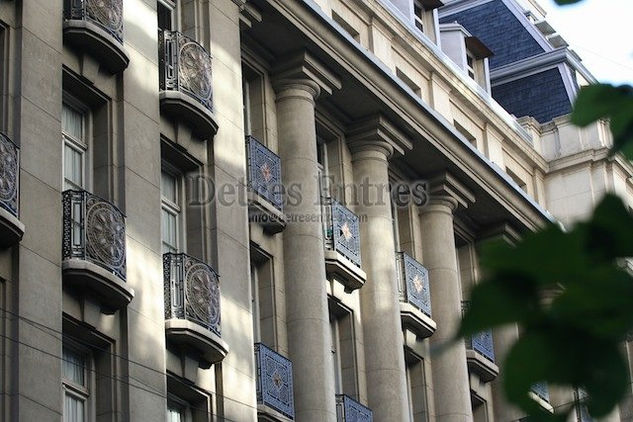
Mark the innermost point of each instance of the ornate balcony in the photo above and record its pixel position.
(11, 229)
(265, 201)
(97, 26)
(186, 82)
(93, 248)
(480, 353)
(349, 410)
(192, 306)
(274, 385)
(415, 295)
(342, 244)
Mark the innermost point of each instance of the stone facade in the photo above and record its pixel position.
(149, 270)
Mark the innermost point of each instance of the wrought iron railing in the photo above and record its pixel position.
(192, 291)
(541, 390)
(93, 230)
(349, 410)
(9, 174)
(185, 66)
(274, 380)
(481, 342)
(264, 172)
(107, 14)
(413, 282)
(342, 230)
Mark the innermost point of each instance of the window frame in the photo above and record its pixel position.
(471, 65)
(176, 209)
(84, 392)
(82, 146)
(173, 6)
(418, 19)
(184, 406)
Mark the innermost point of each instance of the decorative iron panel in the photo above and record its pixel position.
(107, 14)
(541, 390)
(343, 231)
(349, 410)
(274, 380)
(414, 282)
(185, 66)
(264, 172)
(192, 291)
(93, 230)
(482, 342)
(9, 175)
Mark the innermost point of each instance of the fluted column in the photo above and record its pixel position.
(304, 262)
(380, 312)
(450, 373)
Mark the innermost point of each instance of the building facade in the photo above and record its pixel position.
(231, 210)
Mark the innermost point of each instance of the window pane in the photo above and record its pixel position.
(73, 168)
(169, 232)
(73, 366)
(73, 409)
(174, 414)
(168, 187)
(72, 121)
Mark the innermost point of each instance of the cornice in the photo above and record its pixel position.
(538, 63)
(303, 65)
(377, 130)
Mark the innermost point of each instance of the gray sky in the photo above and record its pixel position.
(601, 32)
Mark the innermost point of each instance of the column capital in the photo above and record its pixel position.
(445, 189)
(301, 70)
(377, 134)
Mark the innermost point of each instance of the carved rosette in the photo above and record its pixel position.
(194, 69)
(417, 284)
(105, 234)
(108, 13)
(346, 231)
(264, 172)
(202, 294)
(8, 175)
(275, 384)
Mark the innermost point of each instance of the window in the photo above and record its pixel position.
(263, 296)
(76, 385)
(479, 408)
(395, 227)
(167, 15)
(324, 180)
(336, 354)
(343, 351)
(255, 303)
(171, 211)
(178, 410)
(416, 386)
(246, 100)
(418, 15)
(470, 65)
(74, 148)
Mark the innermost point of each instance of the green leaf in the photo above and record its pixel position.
(600, 101)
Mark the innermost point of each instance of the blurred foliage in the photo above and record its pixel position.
(573, 303)
(566, 290)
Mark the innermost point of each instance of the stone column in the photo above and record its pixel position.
(304, 261)
(372, 143)
(450, 373)
(504, 338)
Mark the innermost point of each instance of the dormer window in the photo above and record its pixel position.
(425, 17)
